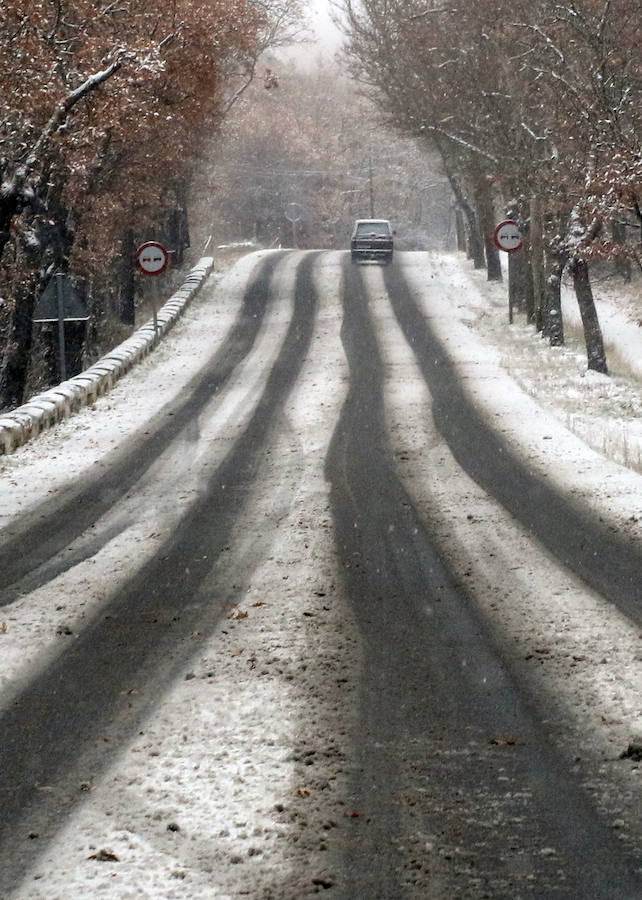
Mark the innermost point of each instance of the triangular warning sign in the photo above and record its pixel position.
(73, 307)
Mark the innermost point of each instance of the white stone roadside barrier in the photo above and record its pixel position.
(46, 409)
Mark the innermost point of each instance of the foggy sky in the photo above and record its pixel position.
(325, 31)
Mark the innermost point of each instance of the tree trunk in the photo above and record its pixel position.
(475, 242)
(590, 321)
(484, 204)
(8, 211)
(622, 264)
(475, 239)
(520, 288)
(460, 229)
(537, 263)
(15, 363)
(178, 225)
(553, 325)
(637, 209)
(75, 334)
(127, 285)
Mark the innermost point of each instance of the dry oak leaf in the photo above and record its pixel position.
(104, 856)
(237, 614)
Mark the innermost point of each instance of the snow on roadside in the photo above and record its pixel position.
(620, 313)
(617, 415)
(237, 778)
(68, 449)
(607, 413)
(204, 805)
(580, 655)
(140, 522)
(604, 411)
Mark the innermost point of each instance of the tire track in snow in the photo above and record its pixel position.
(434, 691)
(80, 709)
(43, 532)
(607, 561)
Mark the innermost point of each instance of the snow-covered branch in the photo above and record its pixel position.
(62, 111)
(460, 142)
(547, 40)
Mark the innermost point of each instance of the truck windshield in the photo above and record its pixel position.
(379, 228)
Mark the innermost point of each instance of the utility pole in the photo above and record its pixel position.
(60, 298)
(294, 214)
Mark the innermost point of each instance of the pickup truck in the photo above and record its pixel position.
(372, 239)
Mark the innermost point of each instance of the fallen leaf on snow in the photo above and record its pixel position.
(633, 751)
(237, 614)
(104, 856)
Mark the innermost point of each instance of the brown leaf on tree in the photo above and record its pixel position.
(119, 109)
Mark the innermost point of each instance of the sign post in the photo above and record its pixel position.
(152, 259)
(508, 238)
(60, 303)
(294, 214)
(60, 298)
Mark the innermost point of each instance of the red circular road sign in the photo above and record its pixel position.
(152, 258)
(508, 237)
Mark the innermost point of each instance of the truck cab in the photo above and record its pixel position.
(372, 239)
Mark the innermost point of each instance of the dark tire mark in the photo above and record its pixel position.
(434, 695)
(609, 562)
(142, 637)
(44, 532)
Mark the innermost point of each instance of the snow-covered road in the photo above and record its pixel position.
(239, 769)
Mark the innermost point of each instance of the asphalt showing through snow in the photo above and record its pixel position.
(448, 739)
(40, 535)
(608, 561)
(82, 707)
(435, 692)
